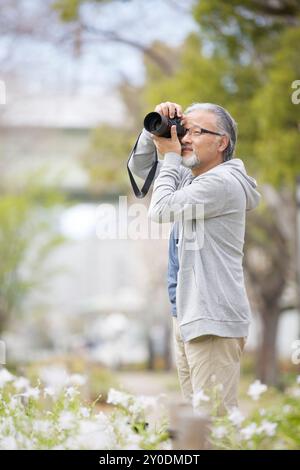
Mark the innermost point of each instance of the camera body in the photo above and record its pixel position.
(160, 125)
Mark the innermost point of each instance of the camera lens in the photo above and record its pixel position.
(161, 125)
(156, 124)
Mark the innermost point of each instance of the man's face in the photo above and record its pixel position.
(200, 149)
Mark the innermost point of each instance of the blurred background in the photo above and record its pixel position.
(76, 79)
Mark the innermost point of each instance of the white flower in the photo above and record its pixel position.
(89, 426)
(262, 412)
(78, 379)
(8, 443)
(135, 408)
(199, 397)
(298, 379)
(49, 391)
(268, 428)
(236, 417)
(152, 439)
(249, 431)
(93, 435)
(256, 389)
(101, 417)
(54, 377)
(79, 429)
(71, 392)
(118, 398)
(25, 443)
(66, 420)
(7, 425)
(42, 426)
(296, 392)
(132, 447)
(147, 402)
(13, 403)
(142, 404)
(85, 412)
(219, 432)
(32, 392)
(133, 439)
(5, 377)
(287, 408)
(21, 383)
(123, 425)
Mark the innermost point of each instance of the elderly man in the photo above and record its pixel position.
(206, 193)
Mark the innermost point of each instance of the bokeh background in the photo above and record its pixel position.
(77, 78)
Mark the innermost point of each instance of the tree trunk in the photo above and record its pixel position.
(151, 353)
(267, 367)
(3, 320)
(167, 347)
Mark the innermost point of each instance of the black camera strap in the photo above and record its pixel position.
(150, 177)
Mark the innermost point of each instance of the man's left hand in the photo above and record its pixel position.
(165, 145)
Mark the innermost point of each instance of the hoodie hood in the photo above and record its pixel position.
(237, 168)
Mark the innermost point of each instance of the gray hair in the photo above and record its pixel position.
(225, 124)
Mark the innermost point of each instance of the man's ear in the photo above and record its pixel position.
(224, 142)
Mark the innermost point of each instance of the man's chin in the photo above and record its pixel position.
(189, 160)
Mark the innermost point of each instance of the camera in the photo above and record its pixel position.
(161, 125)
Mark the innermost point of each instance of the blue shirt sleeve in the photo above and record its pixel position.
(173, 267)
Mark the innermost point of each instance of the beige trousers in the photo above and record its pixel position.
(207, 361)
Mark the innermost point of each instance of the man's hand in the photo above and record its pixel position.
(164, 145)
(169, 109)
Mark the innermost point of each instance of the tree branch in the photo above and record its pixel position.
(112, 36)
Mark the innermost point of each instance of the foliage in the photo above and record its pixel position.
(54, 417)
(27, 238)
(69, 9)
(50, 414)
(273, 426)
(105, 158)
(245, 58)
(99, 379)
(109, 147)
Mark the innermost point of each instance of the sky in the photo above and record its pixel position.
(49, 77)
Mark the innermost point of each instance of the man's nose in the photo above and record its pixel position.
(186, 138)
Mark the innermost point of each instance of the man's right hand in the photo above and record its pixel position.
(168, 109)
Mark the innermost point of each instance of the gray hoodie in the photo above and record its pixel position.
(210, 210)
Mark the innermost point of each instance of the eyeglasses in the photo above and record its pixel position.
(196, 131)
